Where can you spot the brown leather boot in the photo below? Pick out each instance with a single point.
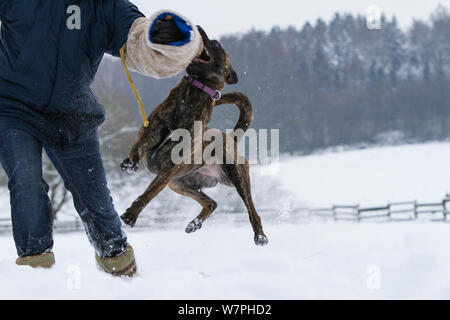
(120, 266)
(45, 260)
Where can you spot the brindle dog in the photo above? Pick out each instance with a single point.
(185, 105)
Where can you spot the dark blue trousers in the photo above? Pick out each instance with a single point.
(80, 165)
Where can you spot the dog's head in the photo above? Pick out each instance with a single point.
(213, 66)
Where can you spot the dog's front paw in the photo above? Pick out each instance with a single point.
(261, 240)
(129, 166)
(194, 226)
(129, 218)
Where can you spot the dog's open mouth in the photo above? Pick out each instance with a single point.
(204, 57)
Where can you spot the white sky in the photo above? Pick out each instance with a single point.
(231, 16)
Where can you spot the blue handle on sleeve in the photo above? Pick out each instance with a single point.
(182, 25)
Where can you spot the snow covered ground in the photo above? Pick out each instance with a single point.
(304, 260)
(314, 261)
(370, 176)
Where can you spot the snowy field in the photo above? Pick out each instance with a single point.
(304, 259)
(316, 261)
(371, 176)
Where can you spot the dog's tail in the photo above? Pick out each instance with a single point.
(246, 111)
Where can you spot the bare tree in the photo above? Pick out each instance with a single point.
(58, 193)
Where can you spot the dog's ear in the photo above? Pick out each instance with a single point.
(203, 34)
(231, 77)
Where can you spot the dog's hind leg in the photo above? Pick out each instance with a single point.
(188, 189)
(240, 177)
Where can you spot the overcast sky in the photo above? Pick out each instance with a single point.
(231, 16)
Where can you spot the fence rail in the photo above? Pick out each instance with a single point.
(395, 211)
(174, 220)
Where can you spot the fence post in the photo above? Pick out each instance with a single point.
(416, 213)
(444, 204)
(77, 224)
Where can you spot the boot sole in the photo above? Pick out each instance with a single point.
(45, 261)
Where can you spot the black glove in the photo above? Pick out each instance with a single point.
(166, 32)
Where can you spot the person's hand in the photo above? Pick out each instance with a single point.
(129, 166)
(166, 32)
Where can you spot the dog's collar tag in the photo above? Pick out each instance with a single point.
(216, 95)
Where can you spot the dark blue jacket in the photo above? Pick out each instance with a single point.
(46, 69)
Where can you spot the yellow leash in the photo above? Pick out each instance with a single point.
(133, 87)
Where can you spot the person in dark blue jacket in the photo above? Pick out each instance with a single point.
(50, 51)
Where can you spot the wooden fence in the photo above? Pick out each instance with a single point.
(153, 221)
(395, 211)
(66, 226)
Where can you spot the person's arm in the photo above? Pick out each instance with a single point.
(160, 46)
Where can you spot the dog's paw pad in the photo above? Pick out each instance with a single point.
(194, 226)
(129, 166)
(128, 220)
(261, 240)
